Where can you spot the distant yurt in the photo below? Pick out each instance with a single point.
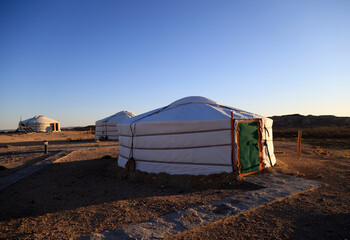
(107, 127)
(196, 136)
(39, 123)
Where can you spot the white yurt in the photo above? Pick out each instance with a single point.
(196, 136)
(39, 123)
(107, 127)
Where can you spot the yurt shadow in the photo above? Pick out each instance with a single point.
(73, 185)
(53, 142)
(329, 226)
(27, 163)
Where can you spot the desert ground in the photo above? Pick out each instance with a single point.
(85, 192)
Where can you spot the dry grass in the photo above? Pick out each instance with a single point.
(5, 146)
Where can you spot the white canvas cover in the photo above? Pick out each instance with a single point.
(107, 127)
(189, 136)
(39, 123)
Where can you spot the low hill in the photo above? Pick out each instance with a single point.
(284, 121)
(301, 121)
(86, 128)
(319, 131)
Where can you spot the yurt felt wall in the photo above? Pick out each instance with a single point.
(40, 123)
(190, 136)
(107, 127)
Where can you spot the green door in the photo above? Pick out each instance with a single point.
(249, 147)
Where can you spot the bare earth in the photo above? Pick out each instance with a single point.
(79, 194)
(322, 213)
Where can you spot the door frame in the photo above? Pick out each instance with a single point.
(259, 144)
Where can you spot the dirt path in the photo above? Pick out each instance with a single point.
(26, 172)
(276, 186)
(323, 213)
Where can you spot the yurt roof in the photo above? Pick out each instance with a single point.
(39, 119)
(194, 108)
(119, 116)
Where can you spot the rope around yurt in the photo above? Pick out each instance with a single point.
(267, 147)
(130, 165)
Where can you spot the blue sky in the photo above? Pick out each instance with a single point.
(80, 61)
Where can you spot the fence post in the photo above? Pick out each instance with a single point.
(300, 132)
(46, 147)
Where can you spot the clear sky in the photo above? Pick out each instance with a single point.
(79, 61)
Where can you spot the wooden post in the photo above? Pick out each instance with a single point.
(232, 142)
(46, 147)
(300, 132)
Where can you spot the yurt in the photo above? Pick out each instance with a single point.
(196, 136)
(107, 127)
(39, 123)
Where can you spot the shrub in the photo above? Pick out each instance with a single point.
(74, 140)
(6, 146)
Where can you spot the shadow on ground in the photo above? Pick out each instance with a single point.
(53, 142)
(30, 162)
(70, 185)
(330, 226)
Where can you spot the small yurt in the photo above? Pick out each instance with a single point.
(107, 127)
(39, 123)
(196, 136)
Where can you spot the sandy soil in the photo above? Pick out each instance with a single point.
(19, 150)
(79, 195)
(14, 161)
(16, 142)
(322, 213)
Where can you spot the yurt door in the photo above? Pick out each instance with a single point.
(249, 147)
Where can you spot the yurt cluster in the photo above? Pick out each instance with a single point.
(193, 135)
